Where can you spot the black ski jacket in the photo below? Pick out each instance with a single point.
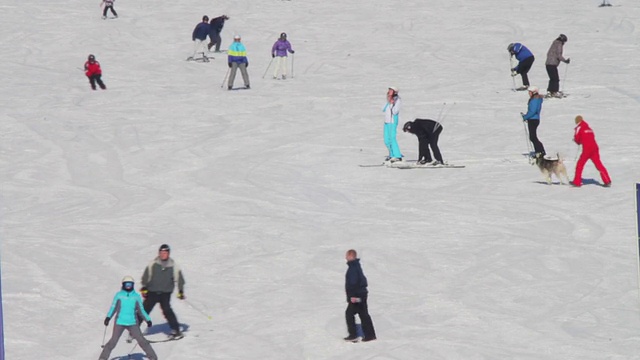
(355, 281)
(423, 128)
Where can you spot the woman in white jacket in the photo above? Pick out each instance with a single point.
(391, 116)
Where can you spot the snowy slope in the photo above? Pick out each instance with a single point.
(259, 192)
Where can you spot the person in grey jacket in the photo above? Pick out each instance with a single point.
(158, 282)
(554, 57)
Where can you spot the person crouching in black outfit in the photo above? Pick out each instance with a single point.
(427, 132)
(356, 288)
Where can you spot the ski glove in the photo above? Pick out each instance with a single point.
(247, 65)
(149, 324)
(144, 292)
(293, 52)
(567, 61)
(273, 55)
(229, 64)
(106, 321)
(181, 295)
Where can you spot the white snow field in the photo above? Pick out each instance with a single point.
(259, 192)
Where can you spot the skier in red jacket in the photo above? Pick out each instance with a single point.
(584, 136)
(94, 73)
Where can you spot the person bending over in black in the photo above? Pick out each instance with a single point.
(427, 132)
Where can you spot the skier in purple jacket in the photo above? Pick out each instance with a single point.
(279, 52)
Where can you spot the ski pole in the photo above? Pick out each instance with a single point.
(225, 78)
(564, 80)
(131, 351)
(513, 78)
(104, 335)
(526, 138)
(441, 110)
(447, 112)
(197, 309)
(293, 56)
(267, 69)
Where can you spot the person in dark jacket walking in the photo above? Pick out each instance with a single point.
(199, 36)
(216, 26)
(428, 131)
(525, 60)
(158, 282)
(532, 117)
(357, 293)
(554, 57)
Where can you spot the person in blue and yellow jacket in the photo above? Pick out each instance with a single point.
(126, 306)
(237, 58)
(532, 117)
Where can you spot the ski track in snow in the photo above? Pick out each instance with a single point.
(260, 195)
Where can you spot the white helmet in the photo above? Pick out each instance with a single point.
(534, 89)
(394, 88)
(128, 279)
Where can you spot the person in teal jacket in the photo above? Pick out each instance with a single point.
(532, 117)
(126, 306)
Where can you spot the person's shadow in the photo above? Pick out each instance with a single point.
(164, 329)
(136, 356)
(590, 182)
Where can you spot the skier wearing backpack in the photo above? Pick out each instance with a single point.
(126, 307)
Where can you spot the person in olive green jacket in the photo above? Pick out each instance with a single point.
(158, 282)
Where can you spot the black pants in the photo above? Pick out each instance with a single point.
(93, 79)
(431, 141)
(215, 40)
(363, 312)
(554, 78)
(165, 303)
(523, 68)
(533, 136)
(104, 12)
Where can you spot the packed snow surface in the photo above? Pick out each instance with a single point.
(259, 192)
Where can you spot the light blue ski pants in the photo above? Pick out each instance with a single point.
(390, 132)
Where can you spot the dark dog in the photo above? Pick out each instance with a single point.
(552, 166)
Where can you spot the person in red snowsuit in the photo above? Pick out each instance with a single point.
(94, 73)
(584, 136)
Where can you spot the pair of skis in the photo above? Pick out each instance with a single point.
(413, 165)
